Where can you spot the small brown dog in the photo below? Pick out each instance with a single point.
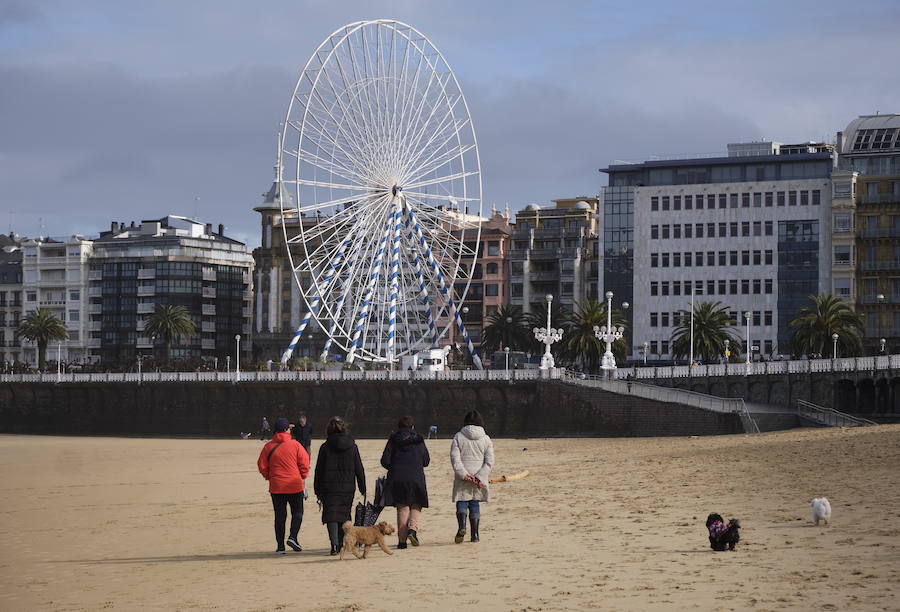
(354, 536)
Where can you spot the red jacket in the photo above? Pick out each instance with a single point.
(288, 466)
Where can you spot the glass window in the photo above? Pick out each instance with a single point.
(664, 347)
(710, 258)
(711, 201)
(733, 200)
(676, 202)
(665, 260)
(665, 287)
(723, 258)
(676, 230)
(492, 268)
(757, 286)
(768, 255)
(757, 258)
(733, 258)
(842, 255)
(733, 226)
(654, 260)
(768, 228)
(816, 197)
(745, 258)
(687, 259)
(654, 288)
(676, 288)
(493, 248)
(654, 232)
(688, 202)
(516, 289)
(745, 200)
(654, 319)
(757, 228)
(654, 203)
(664, 319)
(698, 259)
(665, 203)
(781, 198)
(676, 260)
(74, 295)
(804, 198)
(665, 232)
(698, 230)
(732, 286)
(769, 199)
(745, 228)
(74, 315)
(768, 285)
(492, 290)
(792, 198)
(723, 287)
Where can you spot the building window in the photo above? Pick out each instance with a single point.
(75, 295)
(816, 197)
(688, 202)
(74, 316)
(493, 248)
(664, 317)
(676, 202)
(757, 286)
(653, 319)
(567, 288)
(768, 255)
(842, 222)
(654, 288)
(687, 259)
(698, 230)
(654, 232)
(516, 289)
(30, 296)
(733, 227)
(710, 258)
(665, 203)
(769, 199)
(723, 287)
(781, 198)
(842, 255)
(767, 319)
(745, 228)
(732, 286)
(745, 258)
(745, 286)
(757, 228)
(492, 268)
(768, 286)
(665, 232)
(804, 198)
(665, 287)
(676, 288)
(710, 287)
(698, 259)
(688, 230)
(733, 200)
(654, 203)
(676, 260)
(653, 348)
(654, 260)
(792, 198)
(756, 317)
(745, 200)
(842, 287)
(733, 258)
(665, 260)
(492, 291)
(676, 230)
(664, 347)
(769, 228)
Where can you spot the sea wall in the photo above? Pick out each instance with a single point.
(217, 409)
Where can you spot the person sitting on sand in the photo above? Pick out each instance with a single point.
(472, 457)
(285, 464)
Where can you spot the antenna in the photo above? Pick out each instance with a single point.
(196, 208)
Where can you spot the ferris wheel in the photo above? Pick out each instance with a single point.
(379, 153)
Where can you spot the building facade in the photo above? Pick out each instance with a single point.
(54, 277)
(168, 261)
(750, 230)
(554, 251)
(870, 171)
(10, 299)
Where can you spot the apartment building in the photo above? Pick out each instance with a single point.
(10, 298)
(750, 229)
(54, 277)
(173, 261)
(870, 171)
(554, 251)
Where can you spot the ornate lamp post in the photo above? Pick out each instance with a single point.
(609, 334)
(834, 339)
(237, 358)
(747, 316)
(882, 341)
(506, 351)
(646, 350)
(727, 350)
(547, 336)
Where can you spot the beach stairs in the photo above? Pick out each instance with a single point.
(813, 415)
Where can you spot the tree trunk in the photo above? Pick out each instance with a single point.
(42, 354)
(168, 350)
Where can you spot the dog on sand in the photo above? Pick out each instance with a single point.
(365, 536)
(821, 510)
(722, 535)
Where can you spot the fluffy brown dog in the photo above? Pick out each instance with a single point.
(354, 536)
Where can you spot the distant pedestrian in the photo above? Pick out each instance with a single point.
(472, 458)
(285, 464)
(265, 431)
(405, 458)
(303, 433)
(432, 432)
(339, 471)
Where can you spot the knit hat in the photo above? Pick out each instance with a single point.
(281, 424)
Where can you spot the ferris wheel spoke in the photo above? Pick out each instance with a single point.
(444, 179)
(321, 139)
(440, 157)
(417, 125)
(332, 166)
(445, 123)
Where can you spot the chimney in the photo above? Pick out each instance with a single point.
(208, 229)
(114, 226)
(221, 230)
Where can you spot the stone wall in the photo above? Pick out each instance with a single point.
(523, 409)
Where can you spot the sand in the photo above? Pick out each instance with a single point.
(109, 523)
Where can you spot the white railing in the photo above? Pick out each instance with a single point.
(275, 376)
(829, 416)
(846, 364)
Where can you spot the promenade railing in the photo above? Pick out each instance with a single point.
(797, 366)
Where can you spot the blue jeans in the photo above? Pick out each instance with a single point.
(473, 507)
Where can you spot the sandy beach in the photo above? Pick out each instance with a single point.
(616, 524)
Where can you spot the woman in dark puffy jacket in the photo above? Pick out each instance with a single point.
(339, 470)
(405, 458)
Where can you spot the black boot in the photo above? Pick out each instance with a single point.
(473, 522)
(340, 537)
(461, 532)
(333, 531)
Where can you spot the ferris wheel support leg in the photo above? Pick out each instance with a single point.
(432, 328)
(354, 257)
(394, 280)
(367, 298)
(313, 307)
(443, 286)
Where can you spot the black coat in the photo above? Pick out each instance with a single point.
(405, 457)
(303, 435)
(339, 470)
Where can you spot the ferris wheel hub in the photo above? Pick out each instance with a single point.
(395, 190)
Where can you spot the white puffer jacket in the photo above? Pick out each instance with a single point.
(471, 452)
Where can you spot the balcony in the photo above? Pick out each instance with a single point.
(45, 302)
(95, 275)
(843, 263)
(880, 232)
(146, 308)
(93, 342)
(880, 198)
(209, 274)
(146, 290)
(209, 292)
(883, 332)
(881, 264)
(95, 308)
(208, 343)
(94, 325)
(208, 326)
(543, 276)
(144, 342)
(843, 229)
(208, 309)
(245, 312)
(95, 290)
(140, 325)
(517, 254)
(146, 273)
(883, 299)
(245, 329)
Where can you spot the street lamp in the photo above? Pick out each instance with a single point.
(834, 338)
(727, 350)
(506, 351)
(58, 362)
(609, 334)
(882, 341)
(747, 316)
(237, 358)
(646, 350)
(547, 336)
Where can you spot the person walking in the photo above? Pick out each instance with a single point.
(303, 433)
(265, 430)
(472, 457)
(405, 457)
(339, 471)
(285, 464)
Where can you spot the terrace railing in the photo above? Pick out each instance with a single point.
(799, 366)
(829, 416)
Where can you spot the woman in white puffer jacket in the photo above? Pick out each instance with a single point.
(472, 457)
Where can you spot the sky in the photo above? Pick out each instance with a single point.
(123, 111)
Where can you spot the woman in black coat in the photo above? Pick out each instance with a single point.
(339, 470)
(405, 457)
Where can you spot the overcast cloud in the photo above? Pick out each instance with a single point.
(126, 111)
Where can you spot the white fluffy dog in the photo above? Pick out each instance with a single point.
(821, 510)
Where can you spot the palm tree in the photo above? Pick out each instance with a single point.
(506, 327)
(42, 326)
(813, 326)
(170, 322)
(580, 343)
(712, 327)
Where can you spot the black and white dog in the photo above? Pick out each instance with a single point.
(722, 535)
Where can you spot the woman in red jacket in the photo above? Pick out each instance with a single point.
(285, 464)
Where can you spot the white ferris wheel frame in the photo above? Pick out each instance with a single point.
(391, 201)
